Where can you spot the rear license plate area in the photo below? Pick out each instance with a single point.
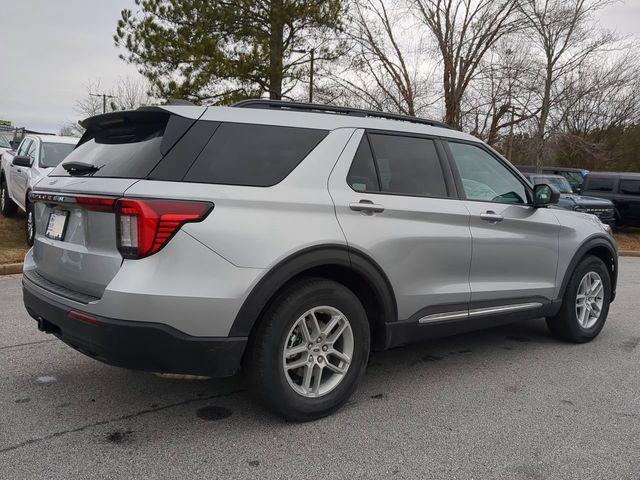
(57, 224)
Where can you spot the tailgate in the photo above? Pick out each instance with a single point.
(86, 258)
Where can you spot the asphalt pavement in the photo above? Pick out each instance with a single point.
(505, 403)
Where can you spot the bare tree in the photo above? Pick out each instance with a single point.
(499, 97)
(464, 31)
(566, 38)
(386, 67)
(127, 94)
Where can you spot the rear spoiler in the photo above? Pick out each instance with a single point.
(175, 126)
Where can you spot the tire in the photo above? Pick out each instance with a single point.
(282, 326)
(567, 325)
(7, 207)
(30, 227)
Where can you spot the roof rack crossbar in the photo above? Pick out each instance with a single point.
(319, 108)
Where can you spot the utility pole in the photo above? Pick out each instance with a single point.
(104, 99)
(312, 52)
(510, 150)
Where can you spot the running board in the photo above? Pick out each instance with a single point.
(477, 312)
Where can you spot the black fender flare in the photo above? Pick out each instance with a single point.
(301, 261)
(589, 244)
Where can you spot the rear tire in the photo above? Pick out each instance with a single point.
(7, 207)
(577, 324)
(339, 332)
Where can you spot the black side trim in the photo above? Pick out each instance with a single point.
(319, 256)
(152, 347)
(599, 241)
(410, 331)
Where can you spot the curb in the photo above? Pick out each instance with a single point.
(629, 253)
(11, 268)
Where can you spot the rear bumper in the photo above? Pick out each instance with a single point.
(144, 346)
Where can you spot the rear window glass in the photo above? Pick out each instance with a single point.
(253, 155)
(630, 187)
(600, 184)
(127, 150)
(51, 154)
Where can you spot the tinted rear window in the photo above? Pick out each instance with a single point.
(127, 149)
(253, 155)
(630, 187)
(600, 184)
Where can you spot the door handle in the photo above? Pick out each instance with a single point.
(491, 216)
(366, 206)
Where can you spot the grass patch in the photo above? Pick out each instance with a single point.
(628, 238)
(13, 245)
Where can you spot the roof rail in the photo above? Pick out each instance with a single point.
(319, 108)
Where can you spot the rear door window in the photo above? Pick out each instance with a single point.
(600, 184)
(408, 165)
(253, 155)
(630, 187)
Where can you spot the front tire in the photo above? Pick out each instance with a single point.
(7, 207)
(585, 304)
(309, 350)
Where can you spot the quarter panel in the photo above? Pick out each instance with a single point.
(256, 227)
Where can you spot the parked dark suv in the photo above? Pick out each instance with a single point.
(623, 189)
(600, 207)
(575, 176)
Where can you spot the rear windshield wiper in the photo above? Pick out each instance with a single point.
(80, 168)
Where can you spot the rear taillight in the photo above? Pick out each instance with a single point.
(96, 204)
(145, 226)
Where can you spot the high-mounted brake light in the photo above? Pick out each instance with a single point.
(145, 226)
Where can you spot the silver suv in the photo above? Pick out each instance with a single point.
(288, 240)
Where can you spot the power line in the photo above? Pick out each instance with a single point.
(104, 99)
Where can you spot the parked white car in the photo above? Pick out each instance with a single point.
(36, 156)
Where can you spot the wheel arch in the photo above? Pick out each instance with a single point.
(350, 267)
(601, 247)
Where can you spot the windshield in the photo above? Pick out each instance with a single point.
(557, 181)
(51, 154)
(4, 141)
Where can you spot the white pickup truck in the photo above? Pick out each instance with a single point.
(36, 156)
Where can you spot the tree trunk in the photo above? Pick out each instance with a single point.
(451, 103)
(276, 50)
(544, 116)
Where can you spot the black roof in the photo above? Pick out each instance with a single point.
(319, 108)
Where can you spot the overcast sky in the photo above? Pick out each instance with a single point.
(50, 49)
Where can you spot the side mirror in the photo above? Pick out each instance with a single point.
(544, 195)
(22, 161)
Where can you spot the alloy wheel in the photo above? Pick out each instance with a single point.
(318, 351)
(589, 300)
